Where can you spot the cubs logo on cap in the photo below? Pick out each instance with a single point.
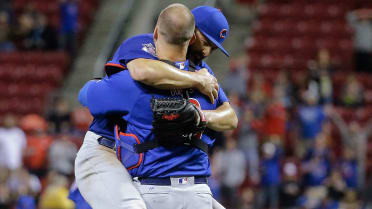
(223, 33)
(212, 24)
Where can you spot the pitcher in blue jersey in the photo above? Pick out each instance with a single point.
(101, 128)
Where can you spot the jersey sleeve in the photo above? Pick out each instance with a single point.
(221, 93)
(83, 93)
(222, 98)
(140, 46)
(110, 95)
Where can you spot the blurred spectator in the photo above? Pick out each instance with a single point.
(230, 167)
(336, 186)
(26, 202)
(235, 103)
(60, 117)
(349, 168)
(248, 142)
(328, 203)
(22, 182)
(69, 25)
(24, 188)
(6, 45)
(360, 20)
(5, 197)
(38, 143)
(312, 198)
(275, 116)
(353, 92)
(320, 79)
(323, 61)
(248, 198)
(258, 94)
(236, 78)
(285, 85)
(354, 138)
(23, 32)
(12, 144)
(81, 119)
(43, 36)
(270, 176)
(350, 200)
(311, 118)
(290, 186)
(56, 193)
(316, 166)
(61, 156)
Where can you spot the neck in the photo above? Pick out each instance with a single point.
(170, 52)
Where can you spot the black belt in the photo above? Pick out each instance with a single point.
(148, 145)
(167, 181)
(106, 142)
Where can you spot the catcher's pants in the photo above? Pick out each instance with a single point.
(179, 195)
(102, 179)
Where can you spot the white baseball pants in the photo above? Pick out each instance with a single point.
(102, 179)
(176, 196)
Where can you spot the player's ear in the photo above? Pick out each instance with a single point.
(156, 33)
(193, 38)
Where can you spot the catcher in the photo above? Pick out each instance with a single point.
(140, 147)
(164, 144)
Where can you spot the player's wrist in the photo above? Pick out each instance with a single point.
(197, 81)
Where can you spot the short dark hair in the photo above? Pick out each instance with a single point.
(176, 23)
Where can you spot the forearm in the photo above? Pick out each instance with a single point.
(161, 75)
(221, 119)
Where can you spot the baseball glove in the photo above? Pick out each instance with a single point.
(176, 120)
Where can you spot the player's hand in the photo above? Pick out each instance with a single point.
(208, 84)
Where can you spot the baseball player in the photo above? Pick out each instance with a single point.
(170, 174)
(104, 126)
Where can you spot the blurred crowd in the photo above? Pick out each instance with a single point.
(37, 156)
(29, 29)
(293, 148)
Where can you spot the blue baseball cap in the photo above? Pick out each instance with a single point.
(213, 24)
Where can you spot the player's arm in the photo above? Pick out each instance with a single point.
(221, 119)
(83, 93)
(164, 76)
(106, 96)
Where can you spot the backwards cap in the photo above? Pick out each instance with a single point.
(213, 24)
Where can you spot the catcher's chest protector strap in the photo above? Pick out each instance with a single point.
(146, 146)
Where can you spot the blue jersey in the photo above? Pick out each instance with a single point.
(69, 17)
(140, 46)
(119, 94)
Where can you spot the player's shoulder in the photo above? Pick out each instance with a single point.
(203, 64)
(140, 39)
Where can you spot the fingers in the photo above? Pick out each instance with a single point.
(215, 94)
(211, 97)
(209, 85)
